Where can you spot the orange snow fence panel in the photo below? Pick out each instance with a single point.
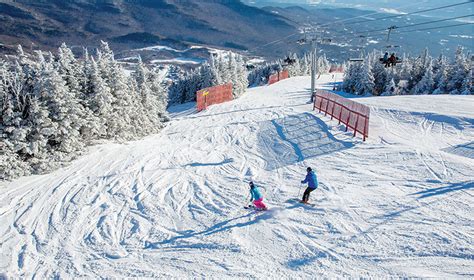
(213, 95)
(273, 79)
(283, 75)
(352, 114)
(278, 77)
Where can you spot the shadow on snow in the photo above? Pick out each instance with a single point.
(295, 138)
(442, 190)
(465, 150)
(217, 228)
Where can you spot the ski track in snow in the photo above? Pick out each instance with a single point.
(171, 205)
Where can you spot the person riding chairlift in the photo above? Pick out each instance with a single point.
(392, 61)
(385, 58)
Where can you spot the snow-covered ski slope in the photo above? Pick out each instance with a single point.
(171, 205)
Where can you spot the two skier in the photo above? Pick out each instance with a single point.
(389, 61)
(257, 198)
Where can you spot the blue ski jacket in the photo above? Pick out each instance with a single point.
(311, 179)
(255, 194)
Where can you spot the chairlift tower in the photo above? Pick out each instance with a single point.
(314, 39)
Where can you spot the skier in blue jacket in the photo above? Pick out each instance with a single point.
(312, 181)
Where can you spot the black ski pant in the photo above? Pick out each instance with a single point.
(306, 193)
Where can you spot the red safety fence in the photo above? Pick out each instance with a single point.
(213, 95)
(278, 77)
(354, 115)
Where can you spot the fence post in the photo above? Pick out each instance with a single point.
(340, 115)
(365, 128)
(327, 104)
(355, 127)
(332, 112)
(348, 119)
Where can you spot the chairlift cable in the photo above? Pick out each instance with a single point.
(407, 26)
(327, 24)
(412, 13)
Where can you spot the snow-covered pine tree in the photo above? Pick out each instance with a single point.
(441, 76)
(241, 74)
(419, 68)
(125, 106)
(467, 87)
(140, 82)
(348, 83)
(379, 72)
(175, 89)
(65, 112)
(294, 69)
(458, 72)
(390, 87)
(222, 70)
(304, 65)
(99, 100)
(159, 93)
(365, 84)
(206, 76)
(425, 85)
(68, 68)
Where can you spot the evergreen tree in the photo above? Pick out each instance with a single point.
(365, 84)
(425, 85)
(441, 77)
(458, 73)
(467, 87)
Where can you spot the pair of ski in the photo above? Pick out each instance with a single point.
(255, 208)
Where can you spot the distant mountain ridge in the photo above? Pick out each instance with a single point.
(135, 23)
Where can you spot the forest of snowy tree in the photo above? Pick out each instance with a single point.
(414, 75)
(55, 105)
(230, 67)
(301, 66)
(220, 69)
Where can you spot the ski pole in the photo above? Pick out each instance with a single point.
(246, 200)
(299, 190)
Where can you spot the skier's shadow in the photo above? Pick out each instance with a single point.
(296, 203)
(219, 227)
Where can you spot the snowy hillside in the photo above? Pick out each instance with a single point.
(399, 204)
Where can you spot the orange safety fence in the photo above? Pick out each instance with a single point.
(273, 79)
(213, 95)
(278, 77)
(354, 115)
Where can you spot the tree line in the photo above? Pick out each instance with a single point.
(53, 106)
(414, 75)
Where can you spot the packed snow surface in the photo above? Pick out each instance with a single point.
(399, 204)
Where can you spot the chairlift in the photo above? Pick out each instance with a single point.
(289, 61)
(301, 41)
(390, 58)
(362, 39)
(250, 66)
(356, 60)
